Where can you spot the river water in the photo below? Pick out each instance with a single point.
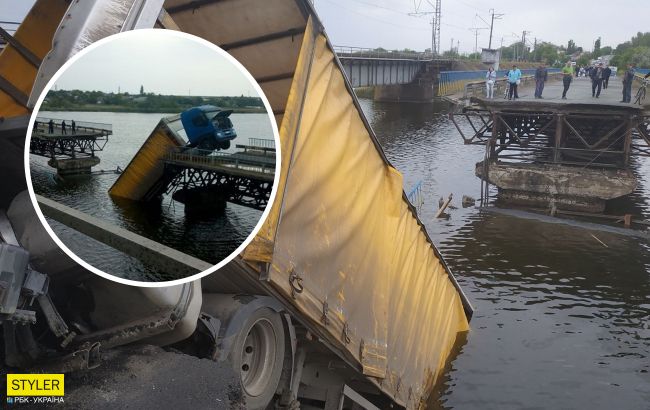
(210, 238)
(561, 321)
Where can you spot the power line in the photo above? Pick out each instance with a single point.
(468, 5)
(381, 7)
(435, 23)
(374, 18)
(476, 30)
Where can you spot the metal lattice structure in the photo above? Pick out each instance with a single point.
(87, 139)
(435, 36)
(241, 190)
(604, 139)
(242, 178)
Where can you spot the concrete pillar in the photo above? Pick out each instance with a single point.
(201, 201)
(73, 166)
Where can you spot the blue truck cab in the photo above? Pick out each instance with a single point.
(208, 127)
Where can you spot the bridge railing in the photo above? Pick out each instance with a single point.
(42, 122)
(261, 142)
(454, 82)
(220, 159)
(360, 52)
(478, 88)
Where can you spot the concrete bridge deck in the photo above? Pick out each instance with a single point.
(579, 92)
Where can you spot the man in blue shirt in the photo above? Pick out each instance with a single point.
(514, 75)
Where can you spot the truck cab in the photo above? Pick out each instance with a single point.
(208, 127)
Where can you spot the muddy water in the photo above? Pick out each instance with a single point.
(561, 321)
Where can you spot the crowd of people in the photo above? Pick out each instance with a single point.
(598, 74)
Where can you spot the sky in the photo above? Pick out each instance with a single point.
(387, 24)
(159, 61)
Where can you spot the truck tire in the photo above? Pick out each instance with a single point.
(225, 145)
(258, 355)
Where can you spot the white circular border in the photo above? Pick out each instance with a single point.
(262, 219)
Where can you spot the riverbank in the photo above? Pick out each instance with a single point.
(142, 110)
(99, 101)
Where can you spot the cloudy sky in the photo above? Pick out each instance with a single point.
(386, 23)
(159, 61)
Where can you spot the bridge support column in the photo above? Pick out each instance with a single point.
(566, 188)
(202, 200)
(413, 92)
(73, 166)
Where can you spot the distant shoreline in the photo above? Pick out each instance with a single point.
(98, 101)
(140, 110)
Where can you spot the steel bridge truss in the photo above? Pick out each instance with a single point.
(67, 148)
(588, 140)
(241, 190)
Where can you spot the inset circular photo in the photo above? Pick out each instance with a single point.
(151, 157)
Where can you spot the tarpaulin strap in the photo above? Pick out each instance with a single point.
(13, 92)
(21, 49)
(346, 334)
(326, 310)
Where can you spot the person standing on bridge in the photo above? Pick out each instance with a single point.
(606, 74)
(541, 75)
(628, 78)
(597, 75)
(567, 77)
(490, 78)
(63, 130)
(74, 127)
(514, 77)
(50, 127)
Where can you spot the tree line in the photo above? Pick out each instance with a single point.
(636, 50)
(77, 100)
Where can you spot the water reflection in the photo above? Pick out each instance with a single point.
(561, 321)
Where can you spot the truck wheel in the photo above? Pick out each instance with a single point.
(258, 355)
(225, 145)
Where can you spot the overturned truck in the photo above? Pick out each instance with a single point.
(341, 296)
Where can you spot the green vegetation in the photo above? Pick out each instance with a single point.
(636, 51)
(76, 100)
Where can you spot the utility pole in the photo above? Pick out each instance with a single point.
(435, 24)
(451, 47)
(523, 43)
(476, 30)
(458, 47)
(494, 16)
(435, 41)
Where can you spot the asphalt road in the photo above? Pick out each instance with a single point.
(149, 377)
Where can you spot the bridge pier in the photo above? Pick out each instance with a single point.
(567, 188)
(406, 92)
(202, 200)
(73, 166)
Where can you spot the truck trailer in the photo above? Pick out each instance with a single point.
(342, 296)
